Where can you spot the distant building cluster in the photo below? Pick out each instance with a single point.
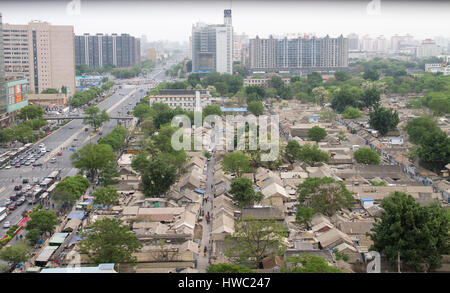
(100, 50)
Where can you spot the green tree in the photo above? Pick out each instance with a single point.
(276, 82)
(434, 150)
(341, 76)
(384, 120)
(314, 79)
(235, 162)
(292, 151)
(143, 110)
(109, 174)
(95, 117)
(243, 192)
(256, 240)
(327, 115)
(367, 156)
(110, 241)
(212, 110)
(93, 157)
(344, 96)
(256, 108)
(304, 215)
(70, 189)
(311, 154)
(225, 268)
(419, 235)
(324, 195)
(157, 177)
(370, 97)
(351, 113)
(221, 87)
(417, 127)
(317, 133)
(320, 94)
(33, 236)
(44, 221)
(30, 112)
(371, 74)
(309, 264)
(341, 135)
(106, 196)
(15, 253)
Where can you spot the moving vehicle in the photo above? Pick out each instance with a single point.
(12, 206)
(37, 164)
(6, 225)
(60, 154)
(25, 180)
(3, 213)
(53, 160)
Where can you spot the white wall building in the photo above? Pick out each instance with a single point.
(189, 100)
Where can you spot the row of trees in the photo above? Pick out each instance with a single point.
(126, 72)
(115, 138)
(31, 119)
(84, 97)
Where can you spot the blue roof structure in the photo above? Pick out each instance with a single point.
(366, 199)
(76, 214)
(233, 109)
(102, 268)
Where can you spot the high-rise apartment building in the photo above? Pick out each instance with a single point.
(240, 42)
(353, 42)
(212, 46)
(381, 44)
(101, 50)
(42, 53)
(299, 55)
(398, 41)
(3, 101)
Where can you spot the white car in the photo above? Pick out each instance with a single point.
(8, 167)
(7, 224)
(41, 145)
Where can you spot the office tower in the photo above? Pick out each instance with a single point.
(353, 42)
(101, 50)
(3, 101)
(428, 48)
(300, 53)
(212, 46)
(42, 53)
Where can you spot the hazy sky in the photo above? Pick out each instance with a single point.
(172, 20)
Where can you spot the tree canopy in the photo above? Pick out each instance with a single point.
(417, 127)
(316, 133)
(109, 241)
(256, 108)
(324, 195)
(235, 162)
(93, 157)
(95, 117)
(384, 120)
(419, 234)
(106, 196)
(367, 156)
(309, 264)
(243, 192)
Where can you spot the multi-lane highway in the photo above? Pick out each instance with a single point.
(73, 134)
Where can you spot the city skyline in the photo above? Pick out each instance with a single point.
(418, 18)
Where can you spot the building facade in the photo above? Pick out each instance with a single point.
(189, 100)
(101, 50)
(437, 68)
(428, 48)
(299, 55)
(42, 53)
(212, 46)
(3, 101)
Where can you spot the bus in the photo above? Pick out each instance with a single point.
(46, 183)
(3, 213)
(34, 196)
(51, 188)
(54, 175)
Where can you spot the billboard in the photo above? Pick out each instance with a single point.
(18, 93)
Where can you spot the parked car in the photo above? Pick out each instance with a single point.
(6, 225)
(20, 201)
(60, 154)
(12, 206)
(12, 198)
(25, 180)
(8, 167)
(37, 164)
(17, 165)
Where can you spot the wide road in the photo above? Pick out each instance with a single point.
(122, 101)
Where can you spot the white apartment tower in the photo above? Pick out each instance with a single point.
(212, 46)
